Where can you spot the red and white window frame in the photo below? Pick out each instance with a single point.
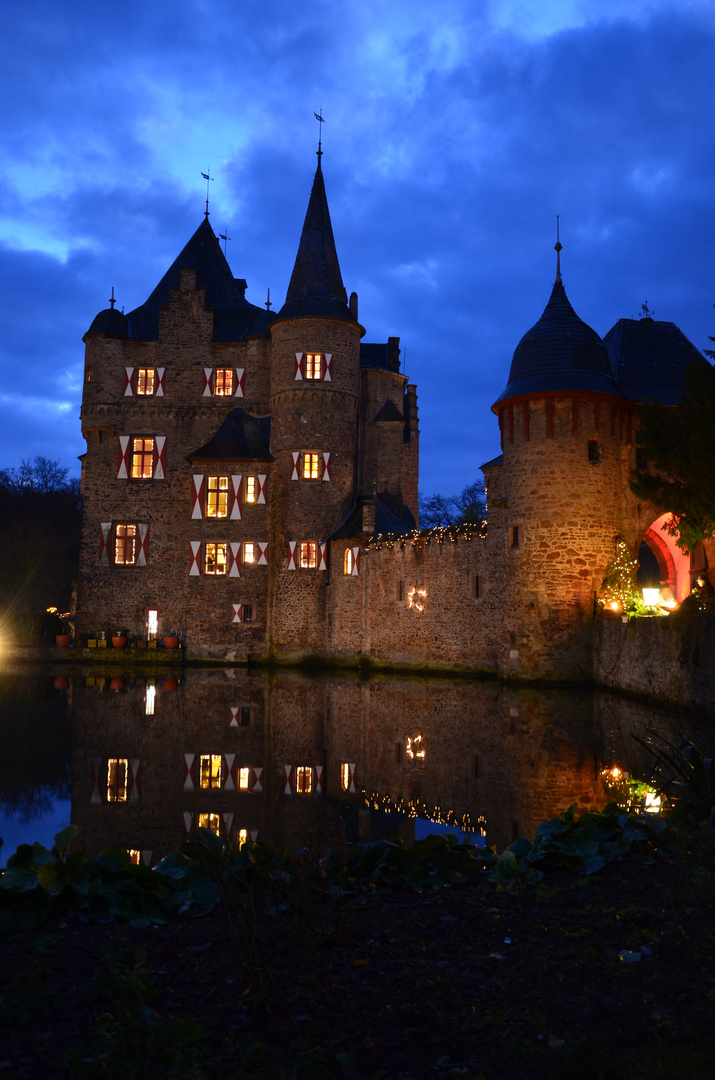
(239, 375)
(326, 363)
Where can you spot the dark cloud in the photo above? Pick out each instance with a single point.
(453, 138)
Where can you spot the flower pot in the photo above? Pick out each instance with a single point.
(170, 684)
(119, 641)
(171, 642)
(63, 640)
(116, 683)
(61, 682)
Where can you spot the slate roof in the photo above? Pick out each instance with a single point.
(389, 413)
(560, 353)
(316, 285)
(386, 520)
(499, 460)
(110, 322)
(241, 437)
(377, 356)
(234, 316)
(648, 359)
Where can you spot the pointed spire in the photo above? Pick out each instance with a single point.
(557, 248)
(316, 285)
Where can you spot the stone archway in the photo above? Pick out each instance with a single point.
(673, 563)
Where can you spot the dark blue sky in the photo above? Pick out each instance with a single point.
(454, 134)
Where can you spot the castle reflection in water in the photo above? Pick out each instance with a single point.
(284, 757)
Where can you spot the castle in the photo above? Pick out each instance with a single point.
(250, 480)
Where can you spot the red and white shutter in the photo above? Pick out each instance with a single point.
(195, 568)
(299, 367)
(292, 545)
(261, 488)
(262, 559)
(288, 790)
(134, 781)
(253, 833)
(159, 457)
(326, 465)
(104, 530)
(188, 821)
(328, 377)
(189, 772)
(318, 779)
(240, 375)
(295, 475)
(123, 465)
(237, 613)
(322, 561)
(198, 493)
(356, 561)
(351, 782)
(208, 377)
(234, 716)
(228, 826)
(160, 384)
(258, 779)
(229, 783)
(143, 530)
(234, 558)
(96, 795)
(129, 382)
(236, 494)
(146, 857)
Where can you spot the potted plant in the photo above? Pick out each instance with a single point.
(63, 639)
(171, 640)
(119, 639)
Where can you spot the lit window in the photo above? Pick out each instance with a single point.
(152, 623)
(243, 779)
(310, 466)
(149, 699)
(215, 561)
(313, 365)
(223, 382)
(145, 380)
(251, 489)
(349, 561)
(249, 552)
(248, 612)
(142, 459)
(125, 545)
(344, 775)
(209, 821)
(210, 770)
(308, 555)
(217, 496)
(242, 837)
(135, 856)
(117, 772)
(304, 779)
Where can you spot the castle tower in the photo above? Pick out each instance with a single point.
(560, 494)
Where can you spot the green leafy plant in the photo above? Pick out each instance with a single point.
(683, 774)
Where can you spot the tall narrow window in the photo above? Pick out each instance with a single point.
(251, 489)
(142, 459)
(245, 715)
(303, 779)
(152, 623)
(515, 536)
(146, 379)
(210, 770)
(308, 555)
(249, 552)
(344, 775)
(125, 545)
(149, 699)
(223, 382)
(215, 560)
(310, 466)
(349, 561)
(313, 365)
(243, 778)
(248, 613)
(242, 837)
(117, 771)
(217, 496)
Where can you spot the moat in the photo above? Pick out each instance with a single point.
(140, 759)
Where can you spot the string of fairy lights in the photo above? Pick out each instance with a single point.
(440, 534)
(416, 808)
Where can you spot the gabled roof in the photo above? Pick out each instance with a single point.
(316, 285)
(389, 413)
(241, 437)
(386, 520)
(649, 359)
(560, 353)
(234, 316)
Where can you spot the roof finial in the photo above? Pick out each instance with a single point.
(268, 301)
(208, 179)
(112, 301)
(321, 120)
(557, 248)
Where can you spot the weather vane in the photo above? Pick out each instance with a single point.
(208, 180)
(268, 301)
(558, 248)
(112, 301)
(321, 120)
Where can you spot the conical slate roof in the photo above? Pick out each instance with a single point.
(560, 354)
(234, 317)
(316, 286)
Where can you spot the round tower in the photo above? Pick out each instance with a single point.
(315, 382)
(566, 433)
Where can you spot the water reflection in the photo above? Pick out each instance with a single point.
(293, 760)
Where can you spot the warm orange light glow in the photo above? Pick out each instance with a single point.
(414, 747)
(614, 605)
(416, 599)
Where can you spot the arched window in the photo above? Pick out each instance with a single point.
(349, 561)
